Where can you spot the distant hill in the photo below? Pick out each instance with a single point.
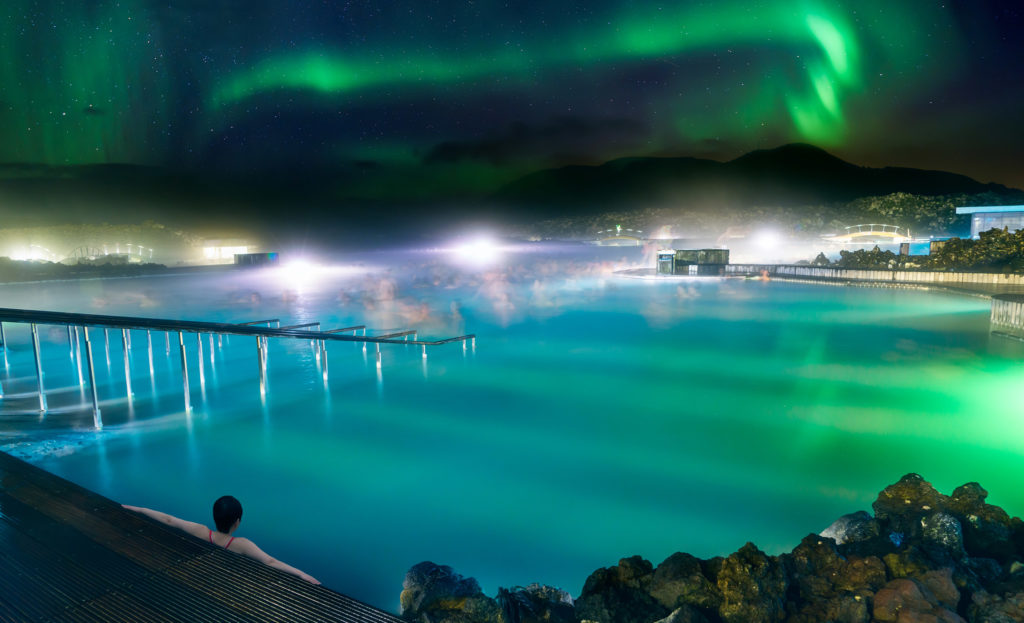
(206, 202)
(791, 175)
(284, 207)
(36, 194)
(311, 206)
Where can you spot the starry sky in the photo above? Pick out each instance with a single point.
(437, 98)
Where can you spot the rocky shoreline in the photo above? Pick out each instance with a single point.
(921, 557)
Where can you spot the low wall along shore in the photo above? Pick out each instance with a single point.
(1007, 306)
(899, 276)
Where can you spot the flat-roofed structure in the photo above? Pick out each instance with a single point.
(692, 261)
(256, 259)
(984, 218)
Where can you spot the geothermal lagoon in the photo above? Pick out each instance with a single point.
(598, 416)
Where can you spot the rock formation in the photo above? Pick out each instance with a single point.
(922, 557)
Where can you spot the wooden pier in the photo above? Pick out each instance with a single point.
(68, 554)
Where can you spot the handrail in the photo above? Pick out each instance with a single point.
(301, 326)
(399, 333)
(871, 228)
(254, 322)
(355, 328)
(126, 323)
(192, 326)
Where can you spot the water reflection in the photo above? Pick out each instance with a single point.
(193, 454)
(202, 373)
(77, 356)
(152, 370)
(103, 468)
(213, 366)
(126, 344)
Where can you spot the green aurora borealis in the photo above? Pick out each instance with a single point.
(468, 95)
(817, 115)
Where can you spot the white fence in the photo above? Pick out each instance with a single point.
(1007, 309)
(1008, 314)
(898, 276)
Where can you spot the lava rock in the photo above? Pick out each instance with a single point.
(940, 583)
(905, 601)
(1017, 536)
(944, 530)
(434, 593)
(923, 557)
(900, 506)
(987, 608)
(969, 499)
(859, 526)
(908, 562)
(848, 608)
(536, 604)
(620, 594)
(753, 587)
(825, 586)
(1008, 583)
(812, 565)
(983, 571)
(684, 614)
(679, 580)
(818, 571)
(986, 528)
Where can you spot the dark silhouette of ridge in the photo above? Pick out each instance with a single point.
(790, 175)
(312, 202)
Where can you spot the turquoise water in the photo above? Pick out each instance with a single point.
(598, 416)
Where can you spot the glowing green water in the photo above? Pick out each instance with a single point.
(599, 417)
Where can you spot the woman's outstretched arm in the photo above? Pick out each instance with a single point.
(195, 529)
(247, 547)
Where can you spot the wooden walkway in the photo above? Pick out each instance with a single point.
(68, 554)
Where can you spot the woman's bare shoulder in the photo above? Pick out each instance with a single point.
(243, 545)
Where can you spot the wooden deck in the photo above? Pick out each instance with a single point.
(68, 554)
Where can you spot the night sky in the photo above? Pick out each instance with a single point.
(455, 98)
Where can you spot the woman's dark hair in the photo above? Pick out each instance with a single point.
(226, 511)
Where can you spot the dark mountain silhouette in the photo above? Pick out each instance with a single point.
(36, 194)
(790, 175)
(311, 203)
(285, 205)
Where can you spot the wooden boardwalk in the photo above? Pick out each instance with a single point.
(68, 554)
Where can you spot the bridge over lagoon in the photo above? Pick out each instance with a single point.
(862, 234)
(870, 233)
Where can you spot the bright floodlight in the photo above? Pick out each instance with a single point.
(480, 251)
(298, 272)
(299, 265)
(768, 240)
